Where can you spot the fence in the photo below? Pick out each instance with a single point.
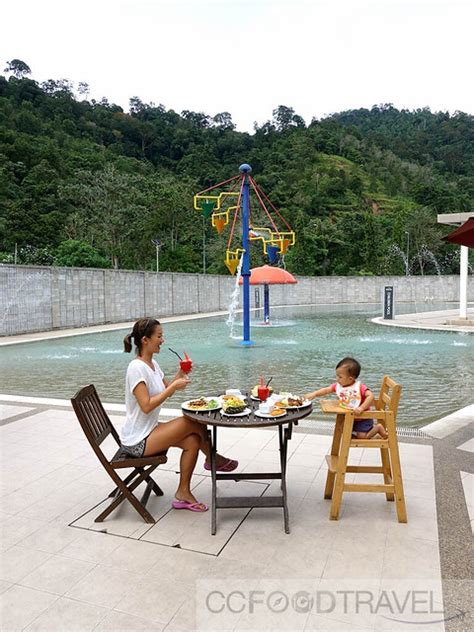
(43, 298)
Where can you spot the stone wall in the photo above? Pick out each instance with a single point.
(40, 298)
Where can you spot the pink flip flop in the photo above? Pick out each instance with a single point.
(186, 504)
(229, 466)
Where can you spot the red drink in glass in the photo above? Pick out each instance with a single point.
(263, 393)
(186, 365)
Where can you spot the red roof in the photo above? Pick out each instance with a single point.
(464, 235)
(268, 275)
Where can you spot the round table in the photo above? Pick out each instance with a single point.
(285, 427)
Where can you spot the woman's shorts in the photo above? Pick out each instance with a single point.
(364, 425)
(136, 450)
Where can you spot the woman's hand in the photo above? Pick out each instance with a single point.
(180, 383)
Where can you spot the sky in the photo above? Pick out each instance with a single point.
(247, 57)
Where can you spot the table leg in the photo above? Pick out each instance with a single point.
(213, 446)
(336, 444)
(284, 435)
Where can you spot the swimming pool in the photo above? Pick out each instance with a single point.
(436, 369)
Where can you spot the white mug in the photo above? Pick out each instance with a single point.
(234, 392)
(266, 408)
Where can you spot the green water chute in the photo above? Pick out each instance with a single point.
(207, 206)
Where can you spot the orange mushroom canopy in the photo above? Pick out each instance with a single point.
(268, 275)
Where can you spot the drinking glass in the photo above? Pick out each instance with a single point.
(263, 392)
(186, 365)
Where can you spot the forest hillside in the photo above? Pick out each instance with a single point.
(86, 183)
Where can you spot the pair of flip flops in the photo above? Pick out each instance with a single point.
(186, 504)
(228, 466)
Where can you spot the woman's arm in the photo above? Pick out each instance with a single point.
(179, 374)
(327, 390)
(147, 403)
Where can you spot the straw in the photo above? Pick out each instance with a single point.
(175, 353)
(268, 382)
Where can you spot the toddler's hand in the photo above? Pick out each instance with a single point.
(358, 411)
(309, 396)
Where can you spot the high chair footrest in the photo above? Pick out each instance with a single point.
(353, 487)
(369, 443)
(333, 464)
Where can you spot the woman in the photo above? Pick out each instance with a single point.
(146, 389)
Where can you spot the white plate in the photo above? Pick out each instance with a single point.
(257, 413)
(185, 405)
(244, 413)
(305, 403)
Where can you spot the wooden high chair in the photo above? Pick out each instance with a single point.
(386, 407)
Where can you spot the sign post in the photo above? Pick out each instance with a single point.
(388, 308)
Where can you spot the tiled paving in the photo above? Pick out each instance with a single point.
(61, 571)
(467, 480)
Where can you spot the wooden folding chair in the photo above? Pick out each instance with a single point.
(386, 408)
(97, 427)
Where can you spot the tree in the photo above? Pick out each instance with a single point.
(83, 89)
(284, 118)
(105, 208)
(223, 121)
(79, 254)
(18, 68)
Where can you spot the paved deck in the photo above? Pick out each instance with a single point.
(61, 571)
(444, 320)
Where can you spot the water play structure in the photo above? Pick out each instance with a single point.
(260, 221)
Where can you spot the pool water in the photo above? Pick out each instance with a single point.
(435, 369)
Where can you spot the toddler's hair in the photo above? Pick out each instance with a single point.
(353, 367)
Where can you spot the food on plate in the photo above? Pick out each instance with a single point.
(290, 400)
(233, 405)
(255, 390)
(277, 411)
(297, 400)
(202, 404)
(198, 404)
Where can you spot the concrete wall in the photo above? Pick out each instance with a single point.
(39, 298)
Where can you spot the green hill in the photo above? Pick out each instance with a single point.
(85, 183)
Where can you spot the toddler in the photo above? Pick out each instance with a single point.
(353, 394)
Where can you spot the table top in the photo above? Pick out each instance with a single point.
(214, 417)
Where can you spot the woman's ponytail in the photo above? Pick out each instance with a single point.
(127, 343)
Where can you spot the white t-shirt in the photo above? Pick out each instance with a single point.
(138, 424)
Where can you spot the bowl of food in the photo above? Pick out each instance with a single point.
(233, 405)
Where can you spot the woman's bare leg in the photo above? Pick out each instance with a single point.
(177, 434)
(179, 428)
(187, 463)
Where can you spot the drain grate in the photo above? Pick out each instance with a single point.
(328, 426)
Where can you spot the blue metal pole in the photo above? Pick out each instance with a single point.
(245, 170)
(266, 304)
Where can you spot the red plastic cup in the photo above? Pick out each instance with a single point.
(186, 365)
(263, 393)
